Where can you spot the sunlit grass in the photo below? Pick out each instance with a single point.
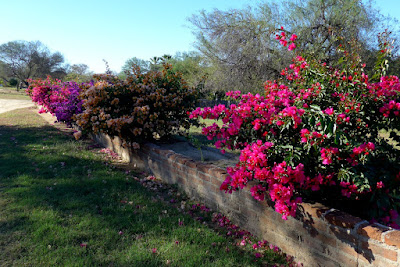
(62, 204)
(12, 93)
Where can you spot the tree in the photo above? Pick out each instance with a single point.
(134, 61)
(193, 68)
(321, 24)
(23, 60)
(79, 73)
(239, 44)
(156, 63)
(81, 69)
(5, 73)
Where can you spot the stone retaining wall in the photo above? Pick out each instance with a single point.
(318, 236)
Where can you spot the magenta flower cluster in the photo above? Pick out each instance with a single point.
(318, 129)
(59, 98)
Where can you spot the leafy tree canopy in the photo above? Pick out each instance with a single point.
(239, 43)
(23, 60)
(79, 73)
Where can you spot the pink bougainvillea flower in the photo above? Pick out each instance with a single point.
(293, 37)
(380, 185)
(329, 111)
(327, 154)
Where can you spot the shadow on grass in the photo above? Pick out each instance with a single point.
(64, 205)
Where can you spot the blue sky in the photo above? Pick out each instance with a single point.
(88, 31)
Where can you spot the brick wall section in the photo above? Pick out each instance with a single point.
(318, 236)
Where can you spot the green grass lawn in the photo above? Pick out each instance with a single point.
(12, 93)
(63, 203)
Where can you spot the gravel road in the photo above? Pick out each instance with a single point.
(11, 104)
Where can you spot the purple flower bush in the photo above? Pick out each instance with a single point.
(59, 98)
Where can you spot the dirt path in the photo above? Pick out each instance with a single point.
(11, 104)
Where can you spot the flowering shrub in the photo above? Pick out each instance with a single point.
(315, 133)
(58, 98)
(41, 92)
(142, 107)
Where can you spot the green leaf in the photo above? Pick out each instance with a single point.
(337, 137)
(312, 121)
(331, 128)
(322, 121)
(315, 107)
(289, 159)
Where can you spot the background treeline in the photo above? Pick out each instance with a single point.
(240, 49)
(235, 49)
(23, 60)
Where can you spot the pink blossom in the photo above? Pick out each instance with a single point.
(292, 46)
(258, 255)
(329, 111)
(380, 185)
(258, 192)
(327, 154)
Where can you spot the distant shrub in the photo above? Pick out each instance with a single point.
(13, 82)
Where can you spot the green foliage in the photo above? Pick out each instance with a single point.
(79, 73)
(134, 62)
(24, 60)
(191, 65)
(382, 59)
(238, 44)
(156, 63)
(13, 82)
